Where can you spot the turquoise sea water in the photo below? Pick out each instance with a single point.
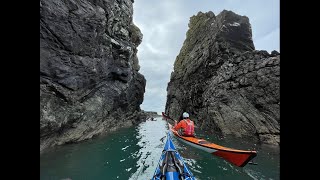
(133, 153)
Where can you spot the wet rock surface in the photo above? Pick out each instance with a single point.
(89, 79)
(226, 85)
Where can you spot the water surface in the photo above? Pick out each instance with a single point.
(133, 153)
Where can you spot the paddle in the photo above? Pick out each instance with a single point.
(167, 117)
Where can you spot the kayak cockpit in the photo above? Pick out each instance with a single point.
(203, 142)
(171, 166)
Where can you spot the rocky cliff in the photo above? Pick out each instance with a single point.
(226, 85)
(89, 79)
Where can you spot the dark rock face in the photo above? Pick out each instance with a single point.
(149, 114)
(226, 85)
(89, 79)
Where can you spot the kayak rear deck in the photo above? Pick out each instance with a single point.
(171, 165)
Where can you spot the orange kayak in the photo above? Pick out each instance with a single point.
(237, 157)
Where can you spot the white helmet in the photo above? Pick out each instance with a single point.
(185, 115)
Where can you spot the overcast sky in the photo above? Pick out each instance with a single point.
(164, 24)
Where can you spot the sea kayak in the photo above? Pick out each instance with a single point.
(237, 157)
(171, 165)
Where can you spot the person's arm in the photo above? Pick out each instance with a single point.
(194, 124)
(178, 126)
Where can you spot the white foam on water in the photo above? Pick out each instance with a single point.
(149, 135)
(254, 175)
(191, 163)
(125, 148)
(129, 169)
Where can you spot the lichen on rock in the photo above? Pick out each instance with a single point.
(226, 85)
(89, 79)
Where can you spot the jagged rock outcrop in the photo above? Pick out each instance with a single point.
(89, 79)
(150, 114)
(226, 85)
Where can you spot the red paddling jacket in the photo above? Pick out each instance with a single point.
(187, 127)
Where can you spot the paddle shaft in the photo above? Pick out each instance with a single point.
(167, 117)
